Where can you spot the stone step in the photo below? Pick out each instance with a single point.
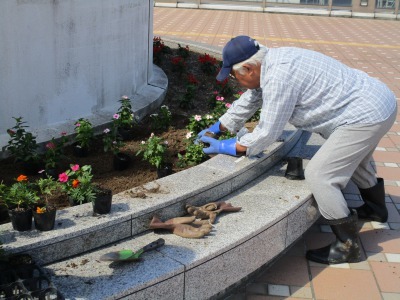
(77, 231)
(275, 213)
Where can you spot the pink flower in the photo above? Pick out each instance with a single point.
(197, 118)
(77, 124)
(125, 97)
(63, 177)
(219, 98)
(228, 105)
(240, 93)
(75, 168)
(116, 116)
(215, 92)
(63, 133)
(50, 145)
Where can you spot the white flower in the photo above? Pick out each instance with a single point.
(189, 134)
(152, 134)
(143, 142)
(125, 97)
(208, 117)
(166, 142)
(197, 117)
(106, 130)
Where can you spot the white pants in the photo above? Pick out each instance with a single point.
(345, 155)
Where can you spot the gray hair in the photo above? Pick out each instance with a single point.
(255, 60)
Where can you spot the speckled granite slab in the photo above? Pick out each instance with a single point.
(78, 231)
(275, 212)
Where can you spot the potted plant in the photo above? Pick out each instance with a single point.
(112, 142)
(19, 198)
(162, 119)
(23, 147)
(77, 183)
(54, 154)
(194, 153)
(83, 138)
(44, 214)
(123, 120)
(154, 151)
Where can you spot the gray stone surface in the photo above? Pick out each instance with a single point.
(275, 212)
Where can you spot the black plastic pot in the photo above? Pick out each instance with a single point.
(294, 169)
(102, 203)
(31, 167)
(45, 221)
(126, 133)
(21, 219)
(164, 171)
(121, 161)
(80, 151)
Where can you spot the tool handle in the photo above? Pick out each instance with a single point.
(154, 245)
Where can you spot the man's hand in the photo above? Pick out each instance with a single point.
(214, 129)
(221, 147)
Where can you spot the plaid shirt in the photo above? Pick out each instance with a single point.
(311, 91)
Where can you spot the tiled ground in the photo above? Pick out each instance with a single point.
(366, 44)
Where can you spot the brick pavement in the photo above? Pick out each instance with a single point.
(366, 44)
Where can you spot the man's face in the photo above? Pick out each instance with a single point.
(250, 78)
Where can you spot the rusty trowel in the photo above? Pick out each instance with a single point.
(129, 255)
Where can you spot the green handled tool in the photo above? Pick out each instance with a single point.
(129, 255)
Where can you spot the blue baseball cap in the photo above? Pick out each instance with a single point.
(235, 51)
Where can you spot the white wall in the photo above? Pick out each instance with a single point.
(65, 59)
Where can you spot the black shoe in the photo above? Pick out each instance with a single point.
(374, 208)
(345, 249)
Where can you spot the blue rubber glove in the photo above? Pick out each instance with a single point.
(221, 147)
(213, 128)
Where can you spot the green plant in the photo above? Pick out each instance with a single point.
(159, 50)
(21, 195)
(47, 187)
(178, 64)
(153, 150)
(111, 141)
(183, 52)
(55, 151)
(197, 123)
(22, 144)
(194, 152)
(84, 132)
(76, 182)
(208, 64)
(186, 101)
(124, 118)
(162, 119)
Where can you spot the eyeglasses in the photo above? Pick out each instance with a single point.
(231, 75)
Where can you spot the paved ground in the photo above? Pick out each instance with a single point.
(366, 44)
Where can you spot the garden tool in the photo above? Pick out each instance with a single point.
(211, 210)
(129, 255)
(187, 227)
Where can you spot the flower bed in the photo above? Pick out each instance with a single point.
(194, 101)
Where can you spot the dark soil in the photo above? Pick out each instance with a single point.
(141, 172)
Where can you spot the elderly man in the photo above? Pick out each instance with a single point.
(316, 93)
